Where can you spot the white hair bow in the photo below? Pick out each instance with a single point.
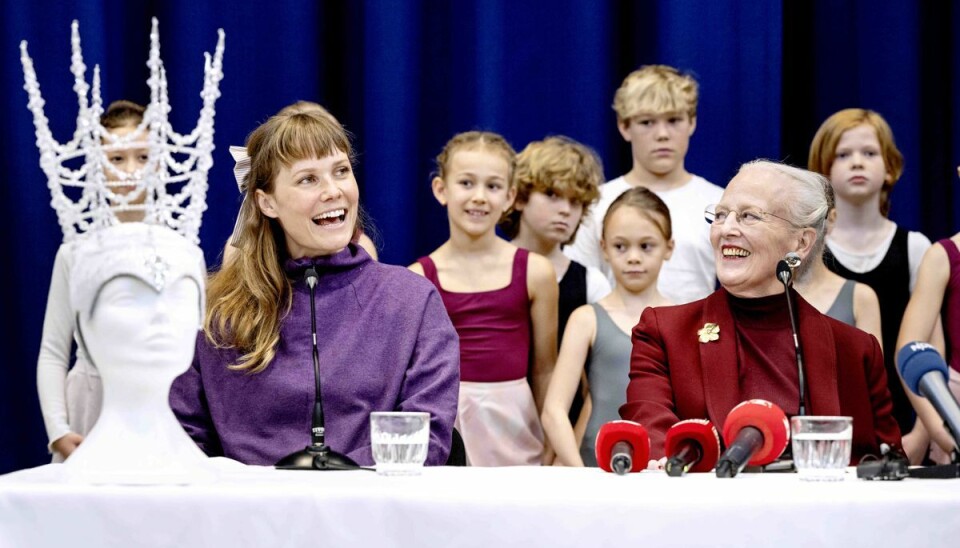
(242, 166)
(240, 171)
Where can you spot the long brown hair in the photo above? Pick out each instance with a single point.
(248, 298)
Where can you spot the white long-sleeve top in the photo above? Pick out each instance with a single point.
(53, 362)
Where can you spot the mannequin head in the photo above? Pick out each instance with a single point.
(141, 336)
(137, 295)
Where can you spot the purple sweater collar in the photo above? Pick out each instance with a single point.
(337, 269)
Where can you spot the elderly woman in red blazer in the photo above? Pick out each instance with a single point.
(700, 359)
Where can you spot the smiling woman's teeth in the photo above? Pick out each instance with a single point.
(330, 217)
(735, 252)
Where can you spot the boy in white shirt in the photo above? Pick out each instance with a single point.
(656, 110)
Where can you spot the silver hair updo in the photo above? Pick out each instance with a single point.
(810, 201)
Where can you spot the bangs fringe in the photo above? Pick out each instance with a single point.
(306, 135)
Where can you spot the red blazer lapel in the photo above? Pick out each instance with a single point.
(820, 360)
(718, 359)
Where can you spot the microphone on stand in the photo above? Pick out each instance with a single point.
(317, 455)
(692, 445)
(785, 270)
(925, 373)
(622, 447)
(756, 432)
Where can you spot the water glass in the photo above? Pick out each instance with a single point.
(399, 441)
(821, 446)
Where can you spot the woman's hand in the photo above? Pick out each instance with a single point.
(67, 444)
(657, 464)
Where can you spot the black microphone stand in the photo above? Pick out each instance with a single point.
(317, 455)
(785, 275)
(735, 458)
(689, 454)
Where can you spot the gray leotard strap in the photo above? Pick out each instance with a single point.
(842, 307)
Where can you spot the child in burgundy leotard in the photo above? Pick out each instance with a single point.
(502, 300)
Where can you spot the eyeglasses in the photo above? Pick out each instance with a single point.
(717, 215)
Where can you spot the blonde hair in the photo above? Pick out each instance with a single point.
(657, 89)
(250, 295)
(648, 204)
(558, 164)
(122, 113)
(823, 149)
(473, 140)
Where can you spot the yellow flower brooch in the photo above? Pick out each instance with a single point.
(709, 332)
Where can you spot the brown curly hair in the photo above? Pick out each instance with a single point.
(559, 165)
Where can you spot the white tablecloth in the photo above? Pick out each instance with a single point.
(492, 508)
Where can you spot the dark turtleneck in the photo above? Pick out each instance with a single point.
(768, 363)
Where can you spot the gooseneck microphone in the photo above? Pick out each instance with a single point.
(756, 432)
(692, 445)
(622, 447)
(317, 455)
(785, 274)
(925, 373)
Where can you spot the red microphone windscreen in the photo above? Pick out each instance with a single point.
(766, 417)
(700, 431)
(616, 431)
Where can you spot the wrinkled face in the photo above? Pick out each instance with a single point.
(476, 191)
(127, 160)
(634, 246)
(132, 324)
(316, 202)
(551, 216)
(858, 171)
(746, 255)
(659, 141)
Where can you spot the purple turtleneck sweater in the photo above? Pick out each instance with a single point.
(386, 344)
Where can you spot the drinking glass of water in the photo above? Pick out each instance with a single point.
(399, 441)
(821, 446)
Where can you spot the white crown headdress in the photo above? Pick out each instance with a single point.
(154, 254)
(174, 178)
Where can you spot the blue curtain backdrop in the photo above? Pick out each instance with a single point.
(404, 76)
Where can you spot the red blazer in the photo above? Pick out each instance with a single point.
(673, 376)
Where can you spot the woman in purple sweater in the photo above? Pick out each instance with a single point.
(385, 340)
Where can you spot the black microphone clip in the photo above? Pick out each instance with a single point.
(310, 276)
(786, 268)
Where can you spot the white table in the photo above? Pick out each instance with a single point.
(492, 508)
